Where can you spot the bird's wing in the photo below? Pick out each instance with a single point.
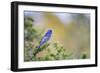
(45, 39)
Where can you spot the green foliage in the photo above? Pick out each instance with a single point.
(31, 38)
(57, 52)
(83, 56)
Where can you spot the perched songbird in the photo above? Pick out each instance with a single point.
(45, 38)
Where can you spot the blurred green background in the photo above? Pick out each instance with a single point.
(70, 38)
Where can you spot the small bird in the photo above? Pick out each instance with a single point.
(45, 38)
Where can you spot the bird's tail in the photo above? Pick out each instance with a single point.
(37, 50)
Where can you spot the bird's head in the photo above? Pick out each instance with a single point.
(49, 31)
